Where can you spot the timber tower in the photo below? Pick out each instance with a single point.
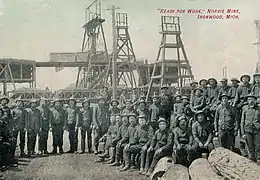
(172, 66)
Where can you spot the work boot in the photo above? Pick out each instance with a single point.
(111, 161)
(54, 151)
(82, 152)
(22, 154)
(70, 151)
(141, 171)
(45, 152)
(100, 159)
(61, 150)
(144, 172)
(96, 152)
(116, 163)
(90, 151)
(125, 168)
(148, 174)
(105, 155)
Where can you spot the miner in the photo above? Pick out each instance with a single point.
(142, 109)
(224, 88)
(193, 85)
(34, 126)
(100, 121)
(213, 95)
(57, 126)
(128, 107)
(250, 127)
(106, 95)
(46, 124)
(123, 98)
(114, 107)
(203, 85)
(154, 110)
(72, 116)
(161, 146)
(129, 139)
(202, 132)
(177, 111)
(19, 117)
(232, 93)
(256, 87)
(199, 101)
(182, 142)
(226, 123)
(123, 129)
(166, 103)
(85, 123)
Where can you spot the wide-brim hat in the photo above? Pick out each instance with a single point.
(200, 112)
(161, 119)
(182, 117)
(184, 97)
(202, 81)
(124, 115)
(141, 101)
(224, 95)
(56, 100)
(245, 75)
(194, 82)
(6, 98)
(141, 116)
(235, 79)
(224, 80)
(85, 100)
(256, 74)
(72, 99)
(164, 87)
(212, 79)
(177, 95)
(251, 95)
(19, 99)
(100, 98)
(198, 88)
(114, 100)
(131, 115)
(33, 101)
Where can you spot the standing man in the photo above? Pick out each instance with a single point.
(106, 95)
(154, 110)
(86, 121)
(203, 84)
(72, 124)
(250, 128)
(232, 93)
(256, 87)
(226, 123)
(19, 117)
(100, 121)
(46, 124)
(142, 110)
(57, 126)
(166, 103)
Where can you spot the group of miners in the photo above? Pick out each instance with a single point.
(131, 133)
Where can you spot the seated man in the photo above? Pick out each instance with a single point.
(202, 131)
(129, 137)
(118, 140)
(161, 146)
(142, 139)
(108, 138)
(182, 142)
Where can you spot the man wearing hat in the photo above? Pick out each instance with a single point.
(72, 124)
(161, 146)
(46, 123)
(256, 87)
(154, 110)
(114, 107)
(243, 90)
(142, 110)
(226, 123)
(33, 126)
(19, 115)
(166, 103)
(129, 138)
(123, 129)
(85, 124)
(224, 88)
(123, 98)
(250, 127)
(232, 93)
(202, 132)
(57, 126)
(100, 121)
(128, 107)
(203, 85)
(213, 95)
(177, 110)
(199, 101)
(106, 95)
(193, 85)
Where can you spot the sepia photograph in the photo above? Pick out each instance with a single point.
(129, 90)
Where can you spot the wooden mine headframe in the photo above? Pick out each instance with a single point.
(172, 66)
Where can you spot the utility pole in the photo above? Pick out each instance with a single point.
(257, 23)
(114, 68)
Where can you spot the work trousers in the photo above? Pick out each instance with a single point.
(43, 138)
(227, 139)
(196, 151)
(73, 137)
(153, 157)
(119, 152)
(57, 136)
(182, 155)
(5, 159)
(253, 143)
(132, 150)
(99, 133)
(22, 140)
(31, 141)
(85, 130)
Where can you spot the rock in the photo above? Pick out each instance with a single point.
(163, 165)
(176, 172)
(233, 166)
(200, 169)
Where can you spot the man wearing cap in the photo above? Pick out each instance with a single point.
(19, 117)
(129, 138)
(243, 90)
(154, 110)
(85, 124)
(114, 107)
(128, 108)
(166, 103)
(213, 95)
(33, 126)
(177, 110)
(123, 130)
(140, 143)
(106, 95)
(100, 121)
(203, 85)
(134, 98)
(46, 124)
(199, 101)
(161, 146)
(226, 123)
(72, 115)
(224, 88)
(182, 141)
(232, 93)
(250, 127)
(202, 132)
(193, 85)
(57, 126)
(142, 110)
(123, 98)
(256, 87)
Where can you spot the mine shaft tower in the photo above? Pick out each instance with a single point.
(172, 66)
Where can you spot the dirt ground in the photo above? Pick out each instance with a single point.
(67, 167)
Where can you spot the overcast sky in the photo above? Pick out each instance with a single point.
(31, 29)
